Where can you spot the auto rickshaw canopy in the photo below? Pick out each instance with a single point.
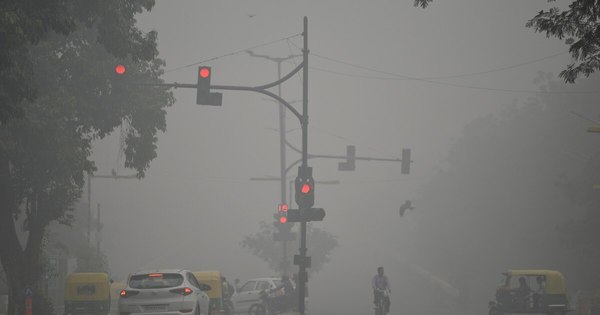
(555, 281)
(87, 286)
(212, 278)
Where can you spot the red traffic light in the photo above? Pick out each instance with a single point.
(282, 207)
(204, 72)
(305, 188)
(283, 220)
(120, 69)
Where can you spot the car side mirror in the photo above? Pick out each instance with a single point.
(205, 287)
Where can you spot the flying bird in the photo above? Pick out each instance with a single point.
(251, 15)
(407, 205)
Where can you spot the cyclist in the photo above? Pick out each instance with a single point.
(380, 283)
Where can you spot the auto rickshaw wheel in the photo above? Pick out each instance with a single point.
(257, 309)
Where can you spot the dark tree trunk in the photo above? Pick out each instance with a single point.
(22, 267)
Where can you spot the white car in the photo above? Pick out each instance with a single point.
(167, 291)
(249, 293)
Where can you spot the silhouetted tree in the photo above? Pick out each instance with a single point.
(45, 151)
(499, 202)
(262, 245)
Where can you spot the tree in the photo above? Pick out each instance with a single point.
(25, 22)
(45, 151)
(262, 245)
(579, 26)
(500, 200)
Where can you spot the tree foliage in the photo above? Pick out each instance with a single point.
(506, 196)
(579, 26)
(262, 245)
(25, 22)
(45, 150)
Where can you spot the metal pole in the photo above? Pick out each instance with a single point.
(302, 275)
(282, 145)
(98, 233)
(89, 199)
(282, 165)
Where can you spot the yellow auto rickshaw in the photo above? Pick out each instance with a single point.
(87, 293)
(529, 291)
(220, 302)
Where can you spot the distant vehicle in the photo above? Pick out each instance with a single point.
(250, 293)
(220, 301)
(531, 292)
(87, 293)
(166, 291)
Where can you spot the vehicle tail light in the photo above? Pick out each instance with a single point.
(128, 293)
(182, 291)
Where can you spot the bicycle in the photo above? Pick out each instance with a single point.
(380, 306)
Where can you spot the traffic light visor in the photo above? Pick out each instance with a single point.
(204, 72)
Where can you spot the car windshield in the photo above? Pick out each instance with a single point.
(155, 280)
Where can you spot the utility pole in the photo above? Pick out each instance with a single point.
(302, 261)
(89, 200)
(304, 183)
(98, 235)
(282, 143)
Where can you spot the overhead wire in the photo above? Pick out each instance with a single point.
(396, 76)
(462, 75)
(232, 53)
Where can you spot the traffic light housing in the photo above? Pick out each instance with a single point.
(282, 213)
(282, 224)
(305, 188)
(350, 163)
(203, 94)
(405, 167)
(305, 215)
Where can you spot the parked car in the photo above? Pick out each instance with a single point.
(167, 291)
(248, 293)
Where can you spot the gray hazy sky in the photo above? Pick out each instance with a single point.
(197, 201)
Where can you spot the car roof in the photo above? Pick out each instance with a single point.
(533, 272)
(264, 279)
(142, 272)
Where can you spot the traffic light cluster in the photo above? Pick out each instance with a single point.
(282, 212)
(203, 94)
(305, 188)
(284, 228)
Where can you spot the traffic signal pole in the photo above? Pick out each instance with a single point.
(302, 264)
(282, 150)
(205, 97)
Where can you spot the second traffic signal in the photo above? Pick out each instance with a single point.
(203, 94)
(305, 188)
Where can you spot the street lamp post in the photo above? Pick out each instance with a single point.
(89, 200)
(205, 97)
(282, 141)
